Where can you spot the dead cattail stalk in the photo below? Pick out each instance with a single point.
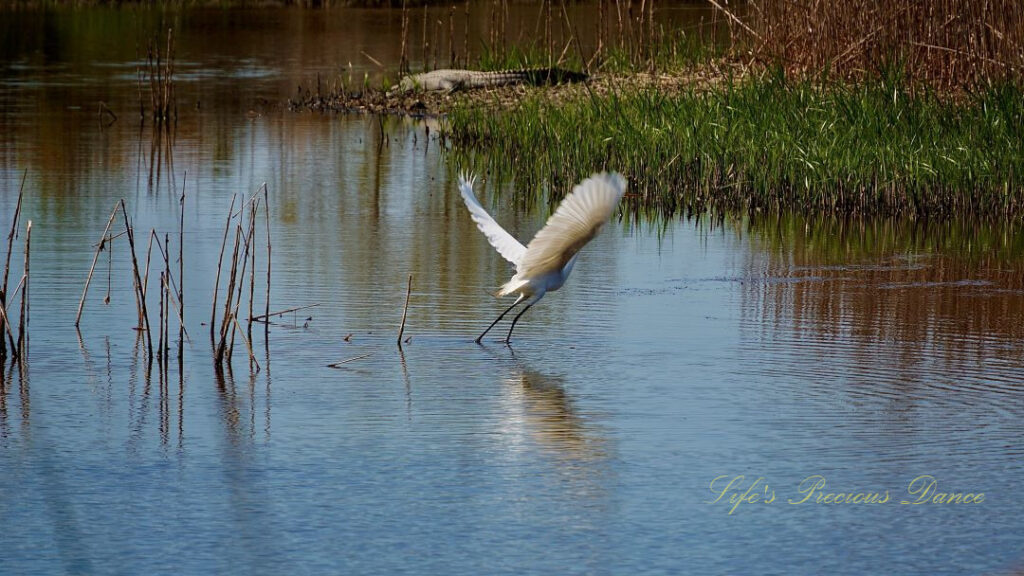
(181, 269)
(248, 345)
(6, 321)
(403, 62)
(144, 320)
(405, 311)
(266, 213)
(247, 246)
(10, 250)
(220, 262)
(465, 39)
(451, 36)
(426, 45)
(161, 316)
(252, 268)
(229, 294)
(166, 289)
(145, 275)
(102, 245)
(23, 319)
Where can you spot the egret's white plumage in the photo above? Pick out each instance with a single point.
(544, 264)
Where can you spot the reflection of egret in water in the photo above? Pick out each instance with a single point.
(538, 405)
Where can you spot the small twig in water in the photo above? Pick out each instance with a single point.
(338, 364)
(264, 317)
(405, 312)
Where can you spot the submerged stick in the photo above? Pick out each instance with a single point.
(338, 364)
(405, 311)
(95, 258)
(263, 317)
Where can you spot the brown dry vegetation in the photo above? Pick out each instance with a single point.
(946, 44)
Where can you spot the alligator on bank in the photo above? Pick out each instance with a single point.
(452, 80)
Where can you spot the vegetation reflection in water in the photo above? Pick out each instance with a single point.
(784, 346)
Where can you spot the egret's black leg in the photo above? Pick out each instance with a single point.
(516, 319)
(507, 310)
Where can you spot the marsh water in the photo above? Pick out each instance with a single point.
(682, 353)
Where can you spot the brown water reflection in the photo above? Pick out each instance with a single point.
(888, 301)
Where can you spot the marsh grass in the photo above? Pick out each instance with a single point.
(768, 143)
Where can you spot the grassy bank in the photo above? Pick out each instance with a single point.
(767, 142)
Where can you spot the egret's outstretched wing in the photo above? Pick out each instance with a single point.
(510, 248)
(578, 219)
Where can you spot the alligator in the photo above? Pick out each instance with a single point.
(452, 80)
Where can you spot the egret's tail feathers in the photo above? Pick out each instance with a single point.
(510, 287)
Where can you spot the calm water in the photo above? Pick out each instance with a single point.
(678, 352)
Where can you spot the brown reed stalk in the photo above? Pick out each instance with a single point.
(168, 91)
(426, 45)
(465, 39)
(226, 320)
(103, 244)
(451, 36)
(405, 311)
(161, 316)
(168, 281)
(181, 269)
(618, 14)
(23, 318)
(266, 213)
(248, 345)
(248, 236)
(6, 321)
(220, 262)
(10, 250)
(549, 41)
(252, 269)
(437, 40)
(138, 282)
(403, 62)
(149, 253)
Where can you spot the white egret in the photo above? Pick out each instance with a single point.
(544, 264)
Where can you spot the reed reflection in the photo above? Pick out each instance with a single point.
(889, 301)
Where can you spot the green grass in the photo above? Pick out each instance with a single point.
(768, 143)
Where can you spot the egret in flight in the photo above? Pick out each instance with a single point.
(544, 264)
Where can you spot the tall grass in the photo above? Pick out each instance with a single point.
(769, 143)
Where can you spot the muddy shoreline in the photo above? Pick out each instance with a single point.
(337, 98)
